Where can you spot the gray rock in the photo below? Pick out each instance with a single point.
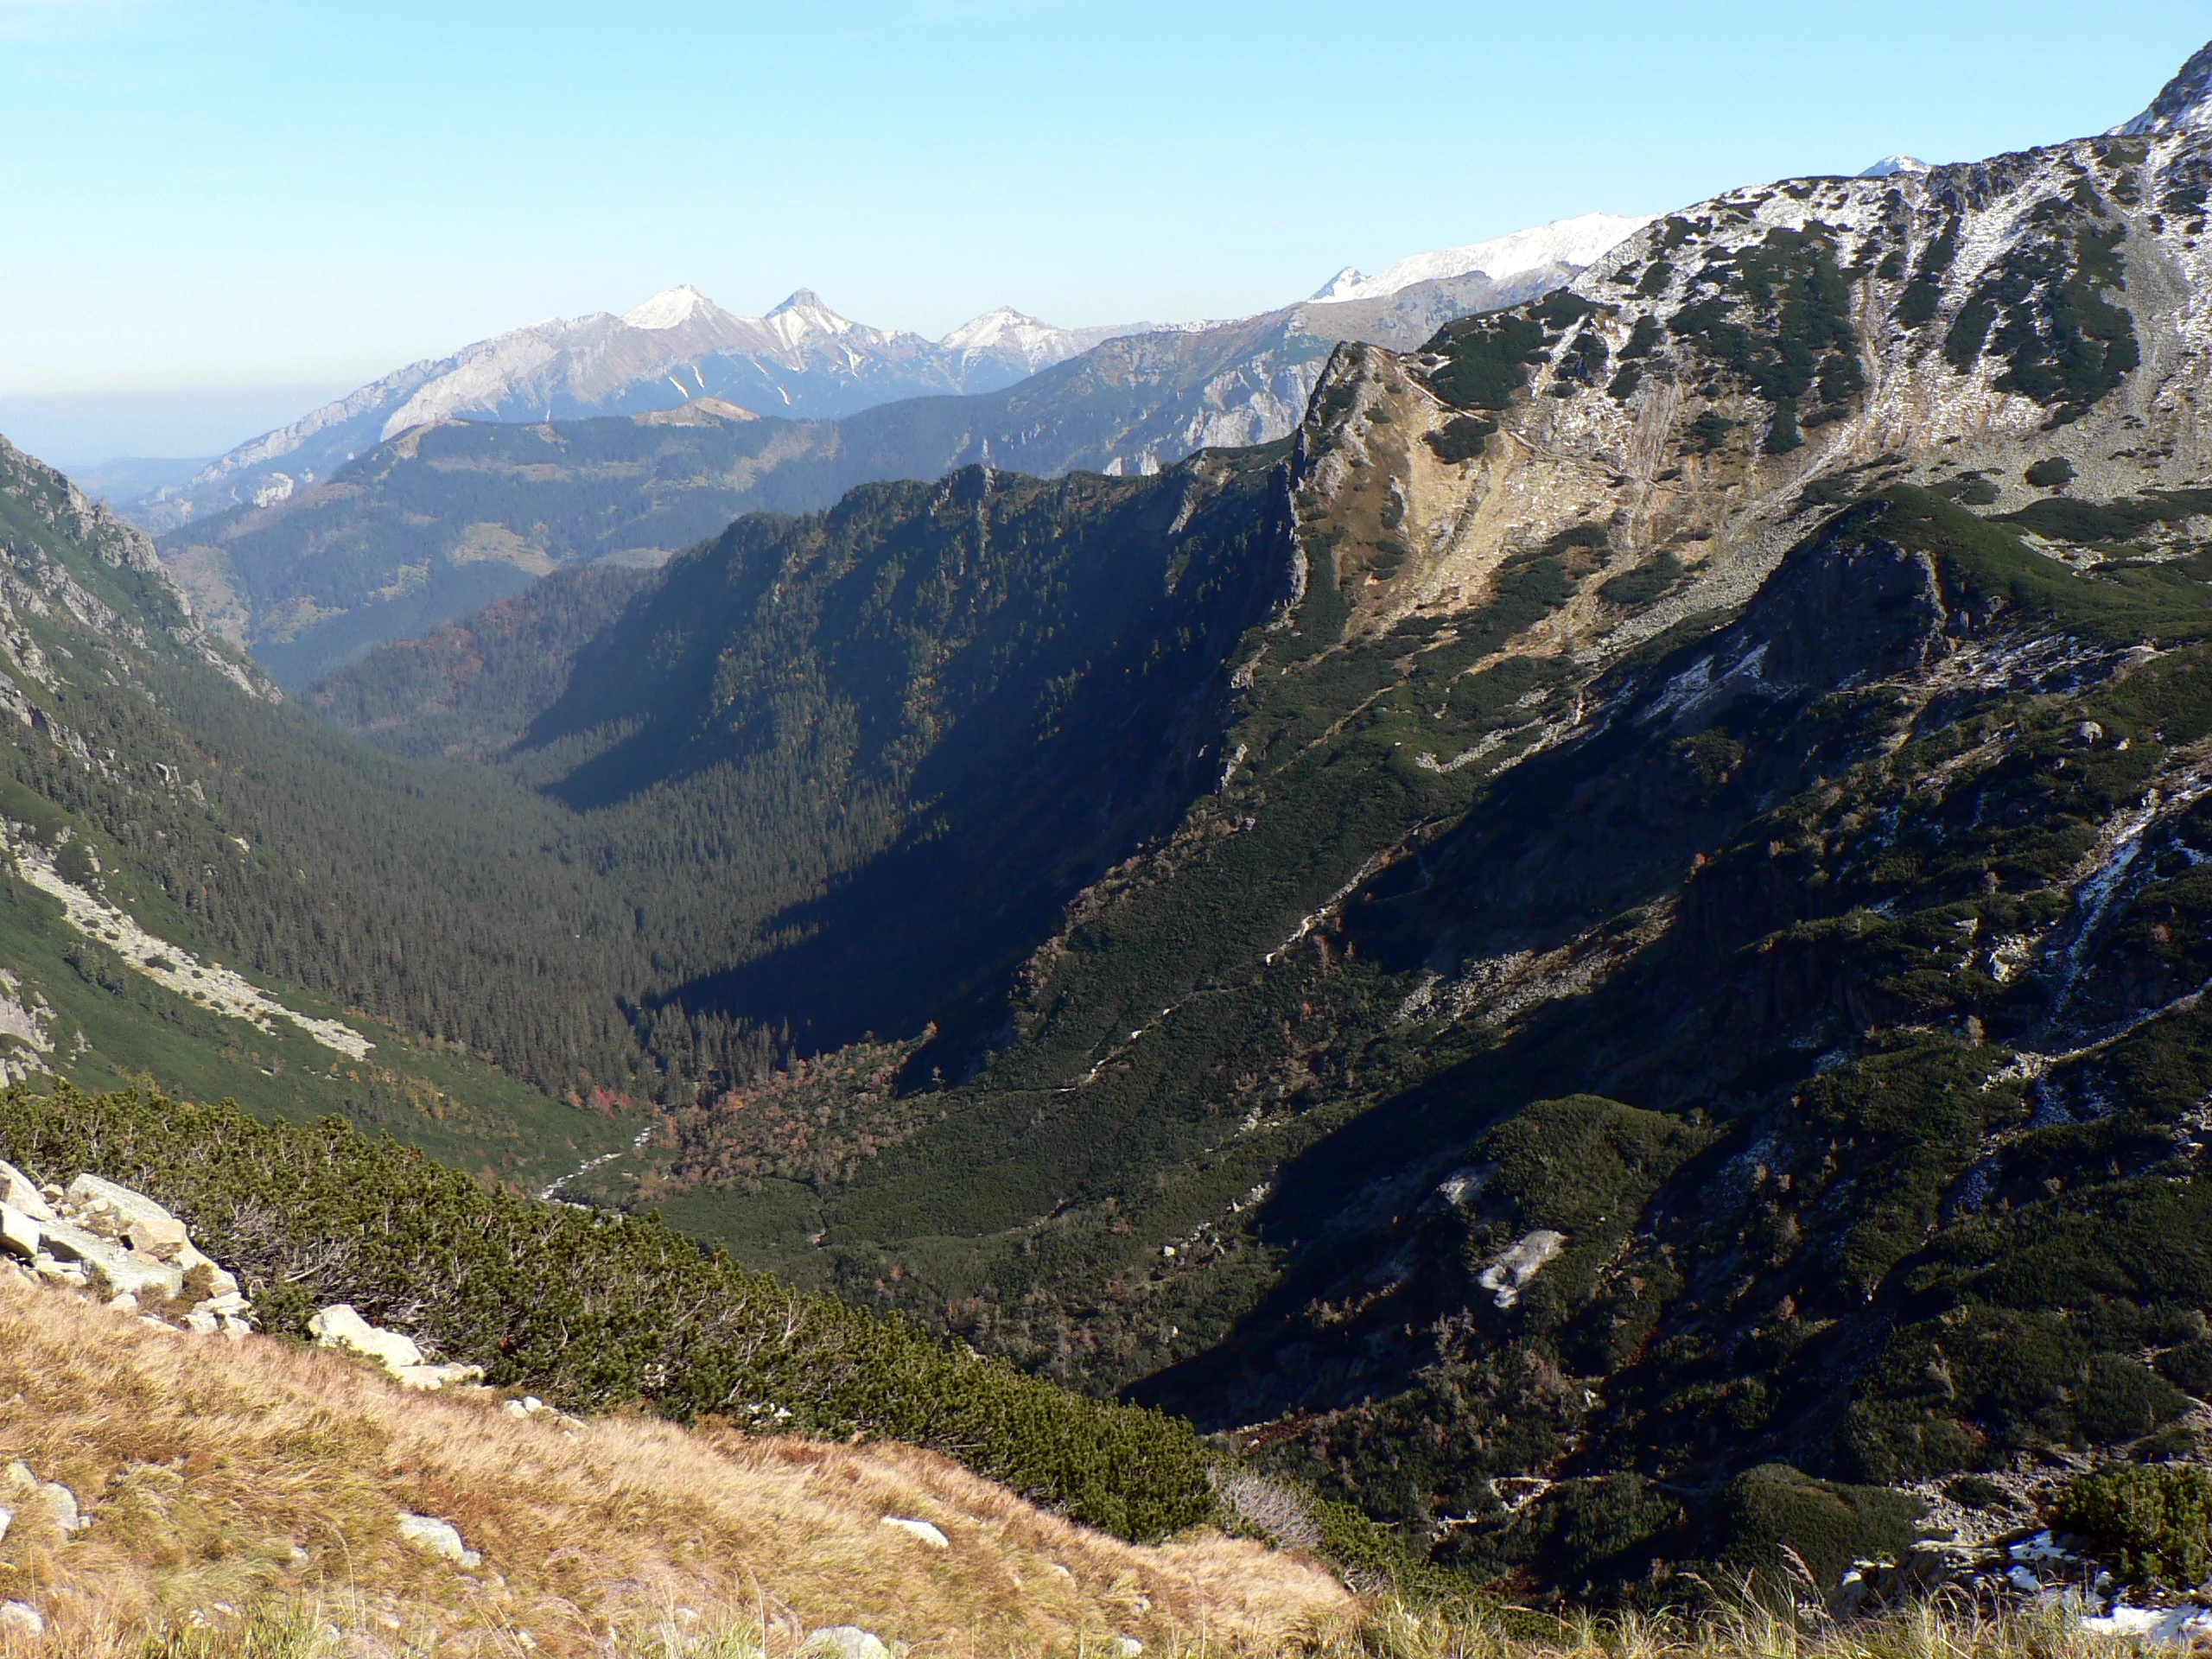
(124, 1271)
(61, 1503)
(843, 1642)
(20, 1233)
(7, 1520)
(921, 1529)
(149, 1227)
(18, 1191)
(339, 1326)
(21, 1618)
(432, 1377)
(440, 1537)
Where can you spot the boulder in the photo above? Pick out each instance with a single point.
(339, 1326)
(150, 1228)
(19, 1191)
(7, 1520)
(440, 1537)
(21, 1618)
(20, 1233)
(61, 1503)
(843, 1642)
(437, 1377)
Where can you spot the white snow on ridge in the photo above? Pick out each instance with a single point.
(1890, 166)
(669, 307)
(1563, 242)
(1015, 336)
(2185, 103)
(804, 313)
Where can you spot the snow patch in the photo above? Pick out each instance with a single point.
(1577, 241)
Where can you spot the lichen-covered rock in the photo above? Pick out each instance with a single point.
(149, 1229)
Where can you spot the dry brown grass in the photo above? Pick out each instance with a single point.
(226, 1479)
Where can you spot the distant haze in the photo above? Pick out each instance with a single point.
(75, 429)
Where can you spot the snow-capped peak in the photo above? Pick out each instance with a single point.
(1575, 242)
(669, 309)
(1890, 166)
(998, 327)
(2186, 101)
(804, 313)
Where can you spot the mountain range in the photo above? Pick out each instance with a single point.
(1584, 947)
(453, 514)
(801, 360)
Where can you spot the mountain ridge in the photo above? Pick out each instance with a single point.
(800, 356)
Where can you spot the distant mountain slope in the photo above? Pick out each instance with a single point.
(186, 901)
(424, 529)
(801, 359)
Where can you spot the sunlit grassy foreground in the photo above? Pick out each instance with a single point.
(309, 1631)
(245, 1500)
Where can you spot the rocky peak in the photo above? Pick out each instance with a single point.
(2185, 102)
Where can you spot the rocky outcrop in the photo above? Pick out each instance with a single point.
(107, 1241)
(104, 1240)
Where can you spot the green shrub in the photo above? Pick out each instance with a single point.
(2120, 1398)
(1707, 432)
(2153, 1523)
(2189, 1366)
(1461, 438)
(1782, 433)
(1827, 1525)
(2049, 474)
(1644, 584)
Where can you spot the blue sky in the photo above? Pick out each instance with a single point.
(220, 208)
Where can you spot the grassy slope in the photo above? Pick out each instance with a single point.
(238, 1473)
